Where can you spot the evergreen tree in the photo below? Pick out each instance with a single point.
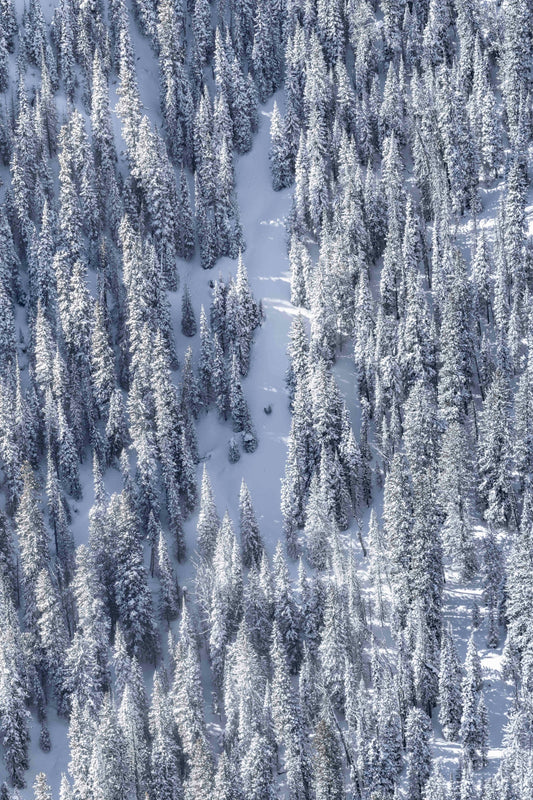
(319, 529)
(483, 725)
(33, 542)
(168, 598)
(333, 648)
(186, 693)
(41, 789)
(256, 769)
(102, 361)
(133, 598)
(450, 698)
(398, 511)
(437, 786)
(327, 762)
(130, 719)
(226, 787)
(188, 320)
(199, 785)
(280, 154)
(52, 630)
(251, 542)
(208, 519)
(205, 364)
(285, 611)
(417, 732)
(110, 772)
(493, 572)
(494, 452)
(516, 51)
(470, 731)
(390, 740)
(13, 697)
(239, 408)
(164, 754)
(378, 564)
(456, 491)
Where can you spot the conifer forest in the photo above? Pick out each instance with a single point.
(266, 400)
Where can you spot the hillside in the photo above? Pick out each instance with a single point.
(266, 400)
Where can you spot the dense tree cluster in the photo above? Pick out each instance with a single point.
(90, 238)
(390, 130)
(391, 121)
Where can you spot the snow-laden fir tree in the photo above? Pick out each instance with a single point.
(417, 732)
(450, 693)
(251, 541)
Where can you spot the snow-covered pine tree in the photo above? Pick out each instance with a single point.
(470, 730)
(251, 541)
(188, 319)
(417, 732)
(450, 696)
